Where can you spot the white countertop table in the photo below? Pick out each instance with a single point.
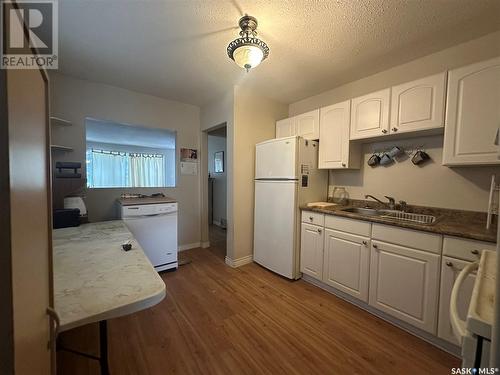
(96, 280)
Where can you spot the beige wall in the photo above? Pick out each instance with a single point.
(432, 184)
(254, 121)
(75, 99)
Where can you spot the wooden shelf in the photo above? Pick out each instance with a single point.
(61, 148)
(59, 121)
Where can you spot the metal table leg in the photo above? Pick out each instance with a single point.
(103, 347)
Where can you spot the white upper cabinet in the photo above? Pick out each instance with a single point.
(334, 148)
(418, 105)
(472, 114)
(307, 125)
(285, 128)
(370, 115)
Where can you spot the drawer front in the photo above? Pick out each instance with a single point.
(465, 249)
(359, 227)
(314, 218)
(408, 237)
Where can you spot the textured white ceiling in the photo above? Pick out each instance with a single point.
(177, 49)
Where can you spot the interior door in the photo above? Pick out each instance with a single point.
(334, 135)
(404, 284)
(30, 220)
(450, 268)
(347, 259)
(274, 226)
(276, 159)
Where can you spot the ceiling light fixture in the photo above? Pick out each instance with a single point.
(248, 51)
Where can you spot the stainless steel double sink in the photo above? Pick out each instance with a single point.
(393, 215)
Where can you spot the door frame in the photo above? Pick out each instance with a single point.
(205, 241)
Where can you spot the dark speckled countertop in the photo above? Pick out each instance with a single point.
(465, 224)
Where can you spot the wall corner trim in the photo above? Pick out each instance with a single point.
(239, 262)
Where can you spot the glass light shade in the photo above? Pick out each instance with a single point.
(248, 56)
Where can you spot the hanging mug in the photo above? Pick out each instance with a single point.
(420, 157)
(374, 160)
(385, 159)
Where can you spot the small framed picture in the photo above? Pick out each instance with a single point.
(219, 162)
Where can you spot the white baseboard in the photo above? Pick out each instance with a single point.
(189, 246)
(430, 338)
(205, 244)
(238, 262)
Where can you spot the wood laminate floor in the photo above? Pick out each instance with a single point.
(219, 320)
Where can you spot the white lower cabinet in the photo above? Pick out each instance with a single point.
(404, 283)
(450, 269)
(311, 250)
(346, 263)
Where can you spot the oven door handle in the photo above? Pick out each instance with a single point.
(458, 325)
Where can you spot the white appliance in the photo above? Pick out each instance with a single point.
(75, 202)
(475, 333)
(286, 176)
(154, 226)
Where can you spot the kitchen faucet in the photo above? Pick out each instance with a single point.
(391, 204)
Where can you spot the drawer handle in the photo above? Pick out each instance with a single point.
(475, 252)
(449, 264)
(365, 243)
(375, 246)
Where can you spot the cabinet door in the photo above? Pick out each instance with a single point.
(472, 114)
(418, 105)
(404, 284)
(311, 250)
(286, 128)
(370, 115)
(308, 124)
(346, 264)
(450, 269)
(334, 136)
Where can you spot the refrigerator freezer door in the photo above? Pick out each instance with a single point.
(274, 226)
(276, 159)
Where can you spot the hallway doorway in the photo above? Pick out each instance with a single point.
(217, 190)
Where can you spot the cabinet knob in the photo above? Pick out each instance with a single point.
(343, 164)
(310, 218)
(384, 131)
(375, 246)
(449, 264)
(319, 230)
(475, 252)
(394, 129)
(365, 243)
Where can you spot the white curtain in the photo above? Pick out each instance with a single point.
(106, 169)
(147, 170)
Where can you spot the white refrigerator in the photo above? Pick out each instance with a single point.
(286, 177)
